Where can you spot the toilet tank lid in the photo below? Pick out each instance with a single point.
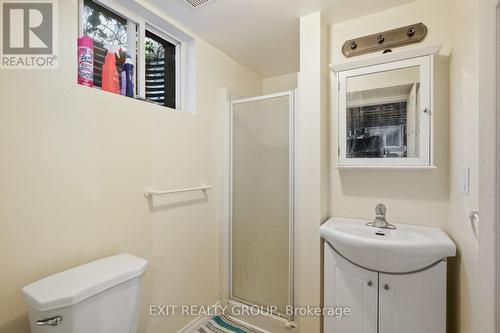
(78, 283)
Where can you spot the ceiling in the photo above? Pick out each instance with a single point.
(263, 35)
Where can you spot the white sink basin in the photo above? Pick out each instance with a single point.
(405, 249)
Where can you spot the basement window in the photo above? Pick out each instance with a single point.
(162, 55)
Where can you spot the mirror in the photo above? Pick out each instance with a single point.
(382, 114)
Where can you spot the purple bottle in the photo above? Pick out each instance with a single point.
(127, 87)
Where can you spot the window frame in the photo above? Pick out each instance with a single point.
(137, 25)
(178, 47)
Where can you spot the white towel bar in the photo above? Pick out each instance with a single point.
(149, 193)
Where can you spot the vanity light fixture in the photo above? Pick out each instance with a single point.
(386, 40)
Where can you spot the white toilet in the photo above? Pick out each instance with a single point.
(99, 297)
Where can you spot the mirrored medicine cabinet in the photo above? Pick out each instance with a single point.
(384, 109)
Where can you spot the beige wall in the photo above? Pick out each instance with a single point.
(488, 156)
(275, 84)
(465, 152)
(430, 197)
(75, 162)
(312, 152)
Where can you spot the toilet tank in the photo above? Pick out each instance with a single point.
(99, 297)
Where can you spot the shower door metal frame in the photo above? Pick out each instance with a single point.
(497, 167)
(291, 207)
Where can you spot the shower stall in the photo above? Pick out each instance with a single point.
(261, 203)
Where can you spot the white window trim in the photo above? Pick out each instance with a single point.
(185, 48)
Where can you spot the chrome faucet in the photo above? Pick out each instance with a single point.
(380, 221)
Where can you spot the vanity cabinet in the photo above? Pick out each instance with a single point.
(381, 302)
(384, 109)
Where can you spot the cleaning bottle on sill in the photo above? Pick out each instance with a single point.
(127, 82)
(86, 61)
(110, 78)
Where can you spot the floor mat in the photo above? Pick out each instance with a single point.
(225, 324)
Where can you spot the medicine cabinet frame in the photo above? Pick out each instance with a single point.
(421, 57)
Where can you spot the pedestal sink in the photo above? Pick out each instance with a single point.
(408, 248)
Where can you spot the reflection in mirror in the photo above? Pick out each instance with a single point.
(382, 114)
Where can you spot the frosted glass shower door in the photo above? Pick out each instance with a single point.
(262, 201)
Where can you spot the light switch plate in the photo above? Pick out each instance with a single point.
(465, 180)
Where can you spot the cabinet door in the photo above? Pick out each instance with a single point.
(347, 285)
(413, 303)
(383, 114)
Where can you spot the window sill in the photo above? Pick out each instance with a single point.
(135, 98)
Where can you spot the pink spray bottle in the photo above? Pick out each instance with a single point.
(86, 61)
